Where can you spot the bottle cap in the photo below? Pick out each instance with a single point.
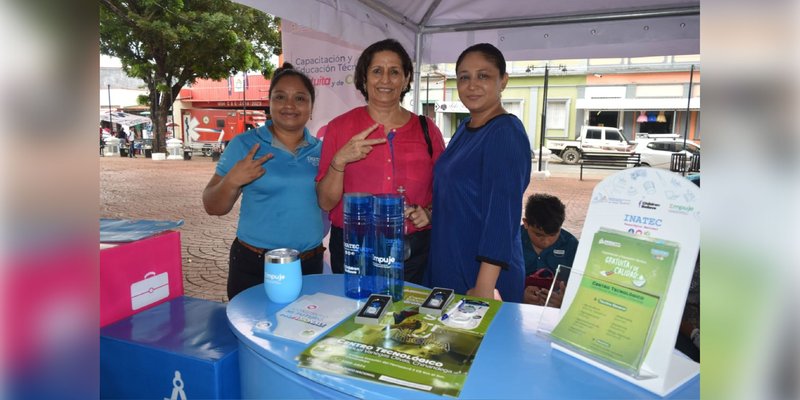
(357, 203)
(281, 256)
(388, 206)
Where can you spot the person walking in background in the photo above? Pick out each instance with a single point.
(478, 186)
(123, 138)
(381, 148)
(545, 246)
(273, 168)
(131, 142)
(102, 141)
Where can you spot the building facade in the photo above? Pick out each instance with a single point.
(639, 95)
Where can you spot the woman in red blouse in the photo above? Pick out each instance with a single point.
(381, 148)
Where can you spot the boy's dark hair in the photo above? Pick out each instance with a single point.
(365, 59)
(288, 70)
(545, 212)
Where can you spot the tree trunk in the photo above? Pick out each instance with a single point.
(163, 113)
(158, 118)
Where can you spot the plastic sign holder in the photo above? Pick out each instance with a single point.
(659, 204)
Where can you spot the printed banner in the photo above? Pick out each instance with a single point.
(408, 349)
(330, 63)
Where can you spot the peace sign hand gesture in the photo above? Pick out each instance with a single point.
(248, 168)
(357, 148)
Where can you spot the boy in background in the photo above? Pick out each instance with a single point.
(545, 245)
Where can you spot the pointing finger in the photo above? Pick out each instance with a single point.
(370, 142)
(363, 134)
(265, 158)
(252, 153)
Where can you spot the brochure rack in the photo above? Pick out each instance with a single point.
(652, 204)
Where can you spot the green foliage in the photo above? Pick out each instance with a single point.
(171, 43)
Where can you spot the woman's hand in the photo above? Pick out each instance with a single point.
(221, 192)
(248, 168)
(418, 216)
(357, 148)
(494, 294)
(486, 282)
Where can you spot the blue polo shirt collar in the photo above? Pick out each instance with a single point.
(265, 134)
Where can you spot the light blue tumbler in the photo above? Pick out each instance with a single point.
(283, 275)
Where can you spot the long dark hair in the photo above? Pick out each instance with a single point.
(366, 58)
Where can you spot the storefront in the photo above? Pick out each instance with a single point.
(641, 115)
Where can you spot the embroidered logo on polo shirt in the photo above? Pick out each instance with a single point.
(313, 160)
(559, 253)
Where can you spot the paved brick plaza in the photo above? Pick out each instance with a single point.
(170, 190)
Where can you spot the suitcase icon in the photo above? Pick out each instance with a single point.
(149, 290)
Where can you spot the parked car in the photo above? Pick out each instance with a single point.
(656, 150)
(595, 139)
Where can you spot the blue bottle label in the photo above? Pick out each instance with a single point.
(351, 252)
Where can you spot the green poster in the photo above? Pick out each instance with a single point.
(634, 261)
(408, 349)
(612, 317)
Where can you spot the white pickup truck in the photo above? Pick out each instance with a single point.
(596, 139)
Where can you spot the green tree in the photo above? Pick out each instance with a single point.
(171, 43)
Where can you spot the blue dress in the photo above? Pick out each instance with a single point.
(478, 184)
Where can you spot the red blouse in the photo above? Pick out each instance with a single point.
(405, 162)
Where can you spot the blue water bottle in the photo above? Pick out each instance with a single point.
(358, 239)
(387, 259)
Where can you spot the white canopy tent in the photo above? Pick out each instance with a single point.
(436, 31)
(123, 118)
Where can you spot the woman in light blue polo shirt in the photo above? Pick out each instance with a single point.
(273, 168)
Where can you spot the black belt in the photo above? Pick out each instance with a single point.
(302, 256)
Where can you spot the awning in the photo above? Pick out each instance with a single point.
(676, 104)
(122, 118)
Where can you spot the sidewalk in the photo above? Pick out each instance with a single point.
(141, 188)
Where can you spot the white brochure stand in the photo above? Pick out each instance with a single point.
(663, 205)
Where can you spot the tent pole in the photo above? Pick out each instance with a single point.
(417, 107)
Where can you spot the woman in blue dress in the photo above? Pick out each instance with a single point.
(478, 186)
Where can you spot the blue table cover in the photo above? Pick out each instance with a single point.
(513, 362)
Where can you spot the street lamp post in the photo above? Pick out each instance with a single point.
(688, 104)
(544, 114)
(543, 128)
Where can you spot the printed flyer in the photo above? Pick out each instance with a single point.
(612, 315)
(408, 349)
(306, 318)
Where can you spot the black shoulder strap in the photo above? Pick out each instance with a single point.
(424, 122)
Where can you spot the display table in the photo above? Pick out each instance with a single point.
(512, 362)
